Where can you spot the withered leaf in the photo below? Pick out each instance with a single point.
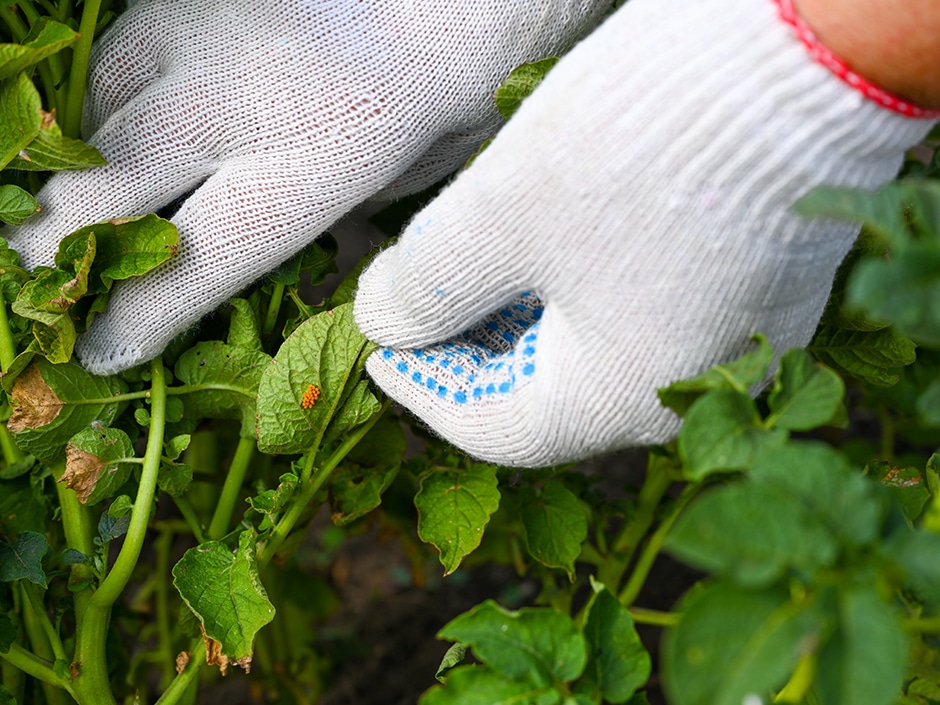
(33, 401)
(182, 660)
(215, 657)
(82, 470)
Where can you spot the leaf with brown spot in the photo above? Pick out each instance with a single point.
(51, 403)
(214, 655)
(93, 466)
(34, 402)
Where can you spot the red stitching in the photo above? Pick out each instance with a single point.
(824, 56)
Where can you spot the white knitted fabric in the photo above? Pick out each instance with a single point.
(643, 194)
(283, 115)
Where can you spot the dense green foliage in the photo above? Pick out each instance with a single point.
(813, 512)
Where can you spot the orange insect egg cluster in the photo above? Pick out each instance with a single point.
(310, 396)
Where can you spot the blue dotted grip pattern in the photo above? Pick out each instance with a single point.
(489, 359)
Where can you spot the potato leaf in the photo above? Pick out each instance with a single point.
(92, 463)
(618, 663)
(23, 559)
(520, 83)
(805, 394)
(536, 645)
(229, 377)
(476, 685)
(16, 205)
(731, 643)
(555, 525)
(304, 385)
(867, 355)
(44, 39)
(454, 507)
(21, 116)
(51, 403)
(50, 150)
(225, 593)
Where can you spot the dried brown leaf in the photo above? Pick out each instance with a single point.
(182, 661)
(33, 401)
(82, 470)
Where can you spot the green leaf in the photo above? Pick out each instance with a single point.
(864, 661)
(53, 151)
(454, 506)
(20, 116)
(93, 466)
(319, 258)
(44, 39)
(751, 533)
(722, 433)
(903, 290)
(244, 328)
(320, 356)
(476, 685)
(16, 205)
(537, 645)
(12, 275)
(928, 405)
(520, 83)
(229, 377)
(805, 394)
(112, 527)
(51, 403)
(23, 559)
(174, 478)
(355, 409)
(618, 663)
(23, 506)
(455, 656)
(739, 375)
(223, 590)
(6, 697)
(555, 525)
(866, 355)
(731, 643)
(881, 212)
(174, 447)
(916, 553)
(906, 485)
(824, 482)
(7, 634)
(124, 248)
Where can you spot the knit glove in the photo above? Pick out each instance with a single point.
(629, 227)
(282, 115)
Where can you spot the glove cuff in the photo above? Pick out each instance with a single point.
(823, 55)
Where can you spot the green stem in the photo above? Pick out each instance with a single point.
(180, 684)
(222, 516)
(17, 27)
(924, 625)
(92, 631)
(38, 668)
(42, 619)
(71, 122)
(40, 644)
(654, 617)
(7, 345)
(162, 547)
(309, 489)
(645, 563)
(189, 515)
(170, 392)
(80, 531)
(11, 451)
(274, 310)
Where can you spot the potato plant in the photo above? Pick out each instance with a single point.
(812, 512)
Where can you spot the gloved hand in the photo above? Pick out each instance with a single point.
(283, 115)
(642, 197)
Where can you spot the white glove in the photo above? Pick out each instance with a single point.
(643, 194)
(283, 115)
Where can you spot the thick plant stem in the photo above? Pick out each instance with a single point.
(645, 563)
(310, 488)
(42, 619)
(11, 451)
(182, 682)
(274, 309)
(71, 122)
(222, 516)
(80, 533)
(38, 668)
(7, 346)
(654, 617)
(93, 628)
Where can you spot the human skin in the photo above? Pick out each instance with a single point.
(894, 44)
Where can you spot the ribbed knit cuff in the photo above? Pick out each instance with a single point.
(823, 55)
